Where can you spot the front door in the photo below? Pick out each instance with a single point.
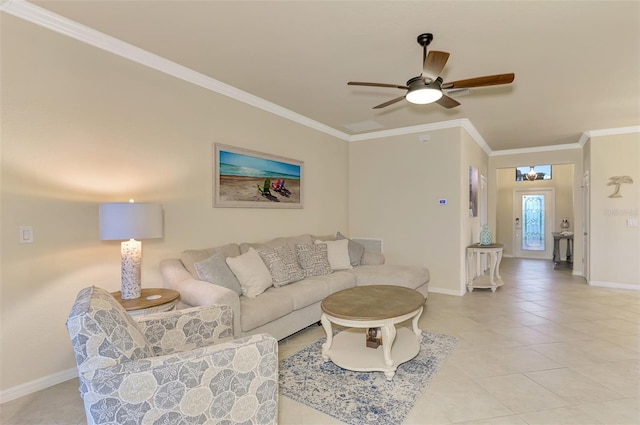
(533, 223)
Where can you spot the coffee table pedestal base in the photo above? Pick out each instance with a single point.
(350, 352)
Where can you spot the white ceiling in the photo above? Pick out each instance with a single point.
(577, 63)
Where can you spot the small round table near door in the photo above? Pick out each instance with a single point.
(476, 277)
(375, 306)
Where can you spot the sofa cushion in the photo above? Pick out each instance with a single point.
(407, 276)
(356, 250)
(336, 281)
(252, 273)
(102, 332)
(291, 241)
(313, 259)
(338, 254)
(191, 256)
(305, 292)
(269, 306)
(282, 263)
(215, 270)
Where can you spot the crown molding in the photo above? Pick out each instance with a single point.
(442, 125)
(65, 26)
(537, 149)
(607, 132)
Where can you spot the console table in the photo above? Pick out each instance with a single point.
(557, 260)
(476, 278)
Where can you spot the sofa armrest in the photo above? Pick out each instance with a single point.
(233, 382)
(196, 293)
(184, 330)
(370, 258)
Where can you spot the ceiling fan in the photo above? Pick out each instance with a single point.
(429, 87)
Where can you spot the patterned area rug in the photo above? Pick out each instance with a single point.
(358, 398)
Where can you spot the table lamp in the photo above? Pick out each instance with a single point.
(129, 221)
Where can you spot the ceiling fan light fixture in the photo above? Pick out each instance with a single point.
(424, 95)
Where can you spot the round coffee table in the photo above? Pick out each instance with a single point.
(373, 306)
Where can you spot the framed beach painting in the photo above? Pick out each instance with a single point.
(245, 178)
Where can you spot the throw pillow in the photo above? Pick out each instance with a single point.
(356, 250)
(313, 259)
(338, 254)
(252, 273)
(215, 270)
(282, 264)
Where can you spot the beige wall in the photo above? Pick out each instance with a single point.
(615, 247)
(395, 186)
(562, 185)
(572, 156)
(81, 126)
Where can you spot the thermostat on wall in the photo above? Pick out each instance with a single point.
(442, 202)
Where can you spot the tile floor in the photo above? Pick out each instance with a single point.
(544, 349)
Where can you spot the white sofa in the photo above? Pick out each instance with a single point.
(283, 310)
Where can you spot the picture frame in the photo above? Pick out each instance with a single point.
(473, 191)
(245, 178)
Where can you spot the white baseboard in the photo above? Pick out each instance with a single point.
(616, 285)
(37, 385)
(447, 291)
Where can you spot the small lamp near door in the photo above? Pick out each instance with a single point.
(129, 221)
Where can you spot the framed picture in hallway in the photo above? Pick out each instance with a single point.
(473, 192)
(250, 179)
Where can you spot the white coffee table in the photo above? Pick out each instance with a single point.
(373, 306)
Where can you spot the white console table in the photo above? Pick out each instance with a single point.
(476, 277)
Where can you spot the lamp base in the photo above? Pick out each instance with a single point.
(131, 252)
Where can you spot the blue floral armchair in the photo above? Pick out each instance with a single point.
(179, 367)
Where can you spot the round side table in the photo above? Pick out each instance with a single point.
(152, 300)
(475, 275)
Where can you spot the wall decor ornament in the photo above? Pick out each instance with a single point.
(617, 181)
(245, 178)
(485, 235)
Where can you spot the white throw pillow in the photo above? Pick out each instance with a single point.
(252, 273)
(338, 253)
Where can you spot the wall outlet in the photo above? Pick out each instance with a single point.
(632, 222)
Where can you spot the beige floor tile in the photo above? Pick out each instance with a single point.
(572, 386)
(561, 416)
(500, 420)
(619, 412)
(521, 394)
(622, 377)
(522, 359)
(463, 401)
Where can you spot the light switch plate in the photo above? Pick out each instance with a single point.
(26, 234)
(632, 222)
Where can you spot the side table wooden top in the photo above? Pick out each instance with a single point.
(375, 302)
(150, 297)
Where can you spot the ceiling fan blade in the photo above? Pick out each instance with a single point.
(390, 102)
(360, 83)
(447, 102)
(434, 64)
(489, 80)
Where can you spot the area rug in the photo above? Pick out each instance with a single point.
(359, 398)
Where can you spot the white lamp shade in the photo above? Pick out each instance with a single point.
(130, 220)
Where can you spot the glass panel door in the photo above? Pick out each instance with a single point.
(533, 229)
(533, 223)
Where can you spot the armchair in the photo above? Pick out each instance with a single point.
(180, 367)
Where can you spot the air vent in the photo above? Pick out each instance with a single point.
(370, 244)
